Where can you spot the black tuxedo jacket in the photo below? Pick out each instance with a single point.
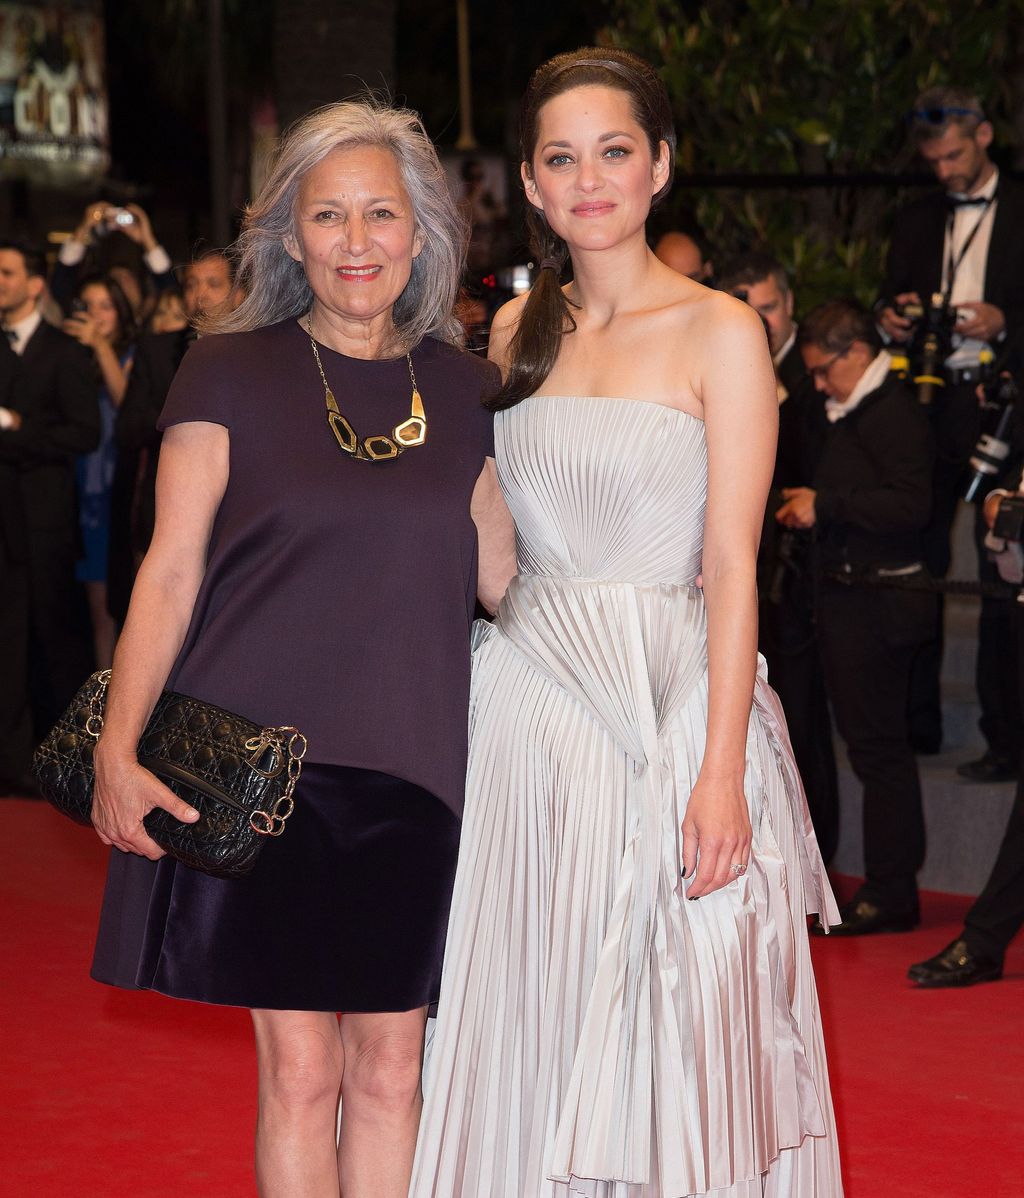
(915, 255)
(53, 386)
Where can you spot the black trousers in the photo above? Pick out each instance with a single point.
(955, 425)
(58, 645)
(998, 912)
(789, 641)
(996, 669)
(868, 642)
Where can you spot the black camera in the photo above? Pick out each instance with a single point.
(1009, 522)
(931, 341)
(993, 447)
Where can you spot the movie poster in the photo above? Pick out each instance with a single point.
(53, 100)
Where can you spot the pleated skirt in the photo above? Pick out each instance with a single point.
(722, 1087)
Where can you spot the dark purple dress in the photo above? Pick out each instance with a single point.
(338, 597)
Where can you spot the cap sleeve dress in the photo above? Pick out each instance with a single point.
(338, 597)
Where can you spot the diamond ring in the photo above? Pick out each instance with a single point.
(738, 869)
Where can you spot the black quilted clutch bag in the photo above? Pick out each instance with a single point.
(238, 776)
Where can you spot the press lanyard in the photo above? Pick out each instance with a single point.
(953, 264)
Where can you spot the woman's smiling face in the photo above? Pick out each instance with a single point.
(355, 232)
(592, 172)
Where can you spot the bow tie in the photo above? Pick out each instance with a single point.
(11, 336)
(956, 202)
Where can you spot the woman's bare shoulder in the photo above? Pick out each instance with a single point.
(503, 328)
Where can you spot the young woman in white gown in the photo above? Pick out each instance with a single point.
(628, 1008)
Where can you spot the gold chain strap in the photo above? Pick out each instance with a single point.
(289, 747)
(94, 721)
(288, 744)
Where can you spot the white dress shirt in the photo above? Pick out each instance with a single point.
(23, 331)
(969, 280)
(777, 358)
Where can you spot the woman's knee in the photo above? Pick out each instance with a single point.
(300, 1059)
(384, 1069)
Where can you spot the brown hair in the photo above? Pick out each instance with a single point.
(546, 314)
(834, 326)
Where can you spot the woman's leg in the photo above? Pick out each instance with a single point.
(301, 1062)
(381, 1101)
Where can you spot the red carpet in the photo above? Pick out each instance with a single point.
(107, 1094)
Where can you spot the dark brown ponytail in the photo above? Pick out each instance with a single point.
(547, 315)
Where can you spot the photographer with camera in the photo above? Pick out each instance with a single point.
(997, 914)
(99, 221)
(954, 291)
(787, 635)
(869, 504)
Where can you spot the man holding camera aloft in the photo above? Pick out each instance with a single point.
(99, 220)
(956, 267)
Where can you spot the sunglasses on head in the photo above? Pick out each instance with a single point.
(939, 116)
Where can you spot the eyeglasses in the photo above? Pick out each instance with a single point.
(939, 116)
(821, 370)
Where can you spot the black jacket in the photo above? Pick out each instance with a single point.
(915, 254)
(874, 481)
(801, 424)
(53, 386)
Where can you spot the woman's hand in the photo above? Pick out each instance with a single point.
(718, 824)
(84, 329)
(123, 796)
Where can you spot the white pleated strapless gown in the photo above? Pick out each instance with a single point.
(598, 1034)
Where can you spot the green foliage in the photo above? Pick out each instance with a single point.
(813, 87)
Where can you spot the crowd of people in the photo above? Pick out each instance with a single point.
(86, 362)
(869, 474)
(624, 750)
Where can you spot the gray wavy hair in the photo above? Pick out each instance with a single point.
(276, 285)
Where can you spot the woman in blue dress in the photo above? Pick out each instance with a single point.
(102, 321)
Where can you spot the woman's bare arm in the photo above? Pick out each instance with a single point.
(497, 538)
(738, 392)
(191, 480)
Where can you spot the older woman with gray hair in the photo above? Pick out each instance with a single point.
(327, 513)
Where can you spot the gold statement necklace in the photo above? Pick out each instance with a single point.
(378, 447)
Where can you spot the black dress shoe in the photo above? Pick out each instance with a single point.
(956, 965)
(861, 917)
(989, 767)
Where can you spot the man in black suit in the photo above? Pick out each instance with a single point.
(997, 915)
(208, 288)
(869, 504)
(965, 244)
(48, 415)
(787, 634)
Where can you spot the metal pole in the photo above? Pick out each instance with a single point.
(466, 139)
(220, 215)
